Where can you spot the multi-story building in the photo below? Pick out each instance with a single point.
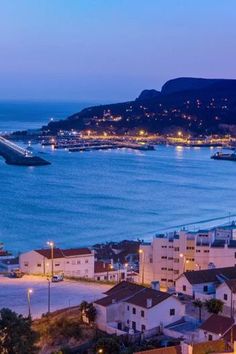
(77, 262)
(169, 255)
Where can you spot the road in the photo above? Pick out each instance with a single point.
(13, 294)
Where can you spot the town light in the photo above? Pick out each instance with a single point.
(51, 245)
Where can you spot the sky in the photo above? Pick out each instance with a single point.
(110, 50)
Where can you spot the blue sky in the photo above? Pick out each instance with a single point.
(109, 50)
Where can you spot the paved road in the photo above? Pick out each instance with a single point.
(13, 294)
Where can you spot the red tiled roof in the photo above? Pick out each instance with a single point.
(217, 324)
(141, 298)
(59, 253)
(100, 267)
(210, 275)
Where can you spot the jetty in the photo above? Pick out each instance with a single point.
(16, 155)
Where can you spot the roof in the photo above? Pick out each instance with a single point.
(119, 292)
(210, 275)
(100, 267)
(59, 253)
(133, 294)
(217, 324)
(165, 350)
(141, 298)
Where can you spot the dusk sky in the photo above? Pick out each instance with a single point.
(110, 50)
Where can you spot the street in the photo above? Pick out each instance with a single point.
(13, 294)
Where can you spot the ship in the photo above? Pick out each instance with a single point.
(221, 156)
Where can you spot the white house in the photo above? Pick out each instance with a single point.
(202, 284)
(133, 308)
(78, 262)
(226, 292)
(106, 271)
(215, 327)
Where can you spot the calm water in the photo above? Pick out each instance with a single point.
(84, 198)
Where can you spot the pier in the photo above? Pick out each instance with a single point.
(16, 155)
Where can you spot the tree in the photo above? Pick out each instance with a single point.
(107, 345)
(16, 335)
(198, 304)
(88, 311)
(214, 306)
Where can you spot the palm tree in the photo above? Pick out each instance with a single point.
(214, 306)
(198, 304)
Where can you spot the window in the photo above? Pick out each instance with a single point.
(98, 278)
(39, 265)
(68, 262)
(163, 246)
(163, 257)
(176, 260)
(198, 251)
(206, 251)
(143, 327)
(163, 268)
(184, 287)
(134, 311)
(176, 249)
(176, 272)
(57, 264)
(210, 337)
(127, 321)
(128, 308)
(86, 260)
(172, 312)
(170, 269)
(142, 313)
(163, 279)
(205, 288)
(170, 281)
(26, 264)
(134, 325)
(78, 262)
(150, 260)
(225, 297)
(170, 258)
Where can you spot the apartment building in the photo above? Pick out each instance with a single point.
(169, 255)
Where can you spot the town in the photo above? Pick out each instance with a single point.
(178, 291)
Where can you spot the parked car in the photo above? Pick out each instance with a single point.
(57, 277)
(16, 274)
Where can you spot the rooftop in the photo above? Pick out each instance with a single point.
(59, 253)
(210, 275)
(217, 324)
(142, 297)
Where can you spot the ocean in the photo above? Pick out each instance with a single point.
(90, 197)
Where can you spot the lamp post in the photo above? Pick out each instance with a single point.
(140, 251)
(49, 295)
(51, 244)
(126, 270)
(29, 292)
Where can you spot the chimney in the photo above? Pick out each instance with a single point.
(149, 303)
(155, 285)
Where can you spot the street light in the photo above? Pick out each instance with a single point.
(29, 292)
(140, 251)
(51, 245)
(185, 261)
(49, 295)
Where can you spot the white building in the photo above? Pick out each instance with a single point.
(169, 255)
(132, 308)
(77, 262)
(226, 292)
(215, 327)
(202, 284)
(106, 272)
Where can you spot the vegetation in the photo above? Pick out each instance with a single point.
(88, 312)
(214, 306)
(16, 334)
(107, 345)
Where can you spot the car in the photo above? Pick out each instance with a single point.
(16, 274)
(57, 277)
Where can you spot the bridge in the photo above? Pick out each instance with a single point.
(16, 155)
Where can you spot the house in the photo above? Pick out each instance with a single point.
(78, 262)
(215, 327)
(202, 284)
(226, 292)
(9, 264)
(133, 308)
(106, 272)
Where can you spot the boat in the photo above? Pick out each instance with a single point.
(221, 156)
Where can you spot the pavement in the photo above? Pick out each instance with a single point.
(68, 293)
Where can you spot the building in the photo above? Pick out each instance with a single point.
(78, 262)
(9, 264)
(169, 255)
(132, 308)
(215, 327)
(106, 272)
(202, 284)
(226, 292)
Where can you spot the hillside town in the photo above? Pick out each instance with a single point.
(178, 289)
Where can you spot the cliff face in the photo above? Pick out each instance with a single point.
(198, 106)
